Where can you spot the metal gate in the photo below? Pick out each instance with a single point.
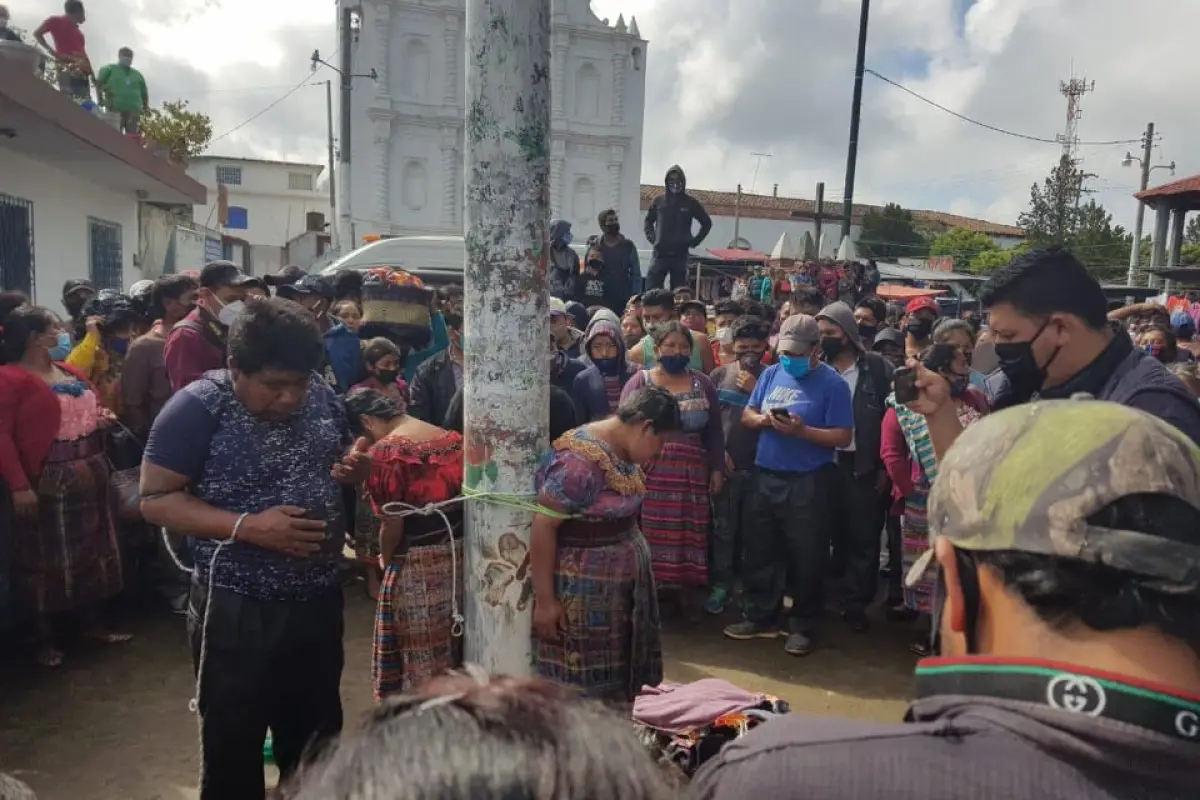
(16, 244)
(104, 254)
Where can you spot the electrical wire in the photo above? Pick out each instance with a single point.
(994, 128)
(307, 80)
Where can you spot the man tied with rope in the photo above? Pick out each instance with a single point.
(247, 461)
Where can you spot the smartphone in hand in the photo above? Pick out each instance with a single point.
(781, 414)
(904, 383)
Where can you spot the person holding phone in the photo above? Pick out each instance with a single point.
(804, 412)
(908, 455)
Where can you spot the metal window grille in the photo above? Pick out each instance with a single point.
(300, 181)
(230, 176)
(104, 254)
(16, 244)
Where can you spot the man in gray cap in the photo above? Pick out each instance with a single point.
(858, 499)
(803, 409)
(1066, 534)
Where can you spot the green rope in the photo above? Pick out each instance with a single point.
(519, 502)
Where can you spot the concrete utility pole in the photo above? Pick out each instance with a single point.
(855, 116)
(506, 381)
(1135, 252)
(335, 234)
(819, 215)
(345, 221)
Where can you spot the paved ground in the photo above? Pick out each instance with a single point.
(113, 724)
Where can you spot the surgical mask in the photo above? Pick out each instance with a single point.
(607, 366)
(230, 312)
(750, 361)
(388, 376)
(1020, 366)
(920, 329)
(125, 62)
(831, 347)
(62, 347)
(675, 364)
(566, 239)
(725, 335)
(119, 346)
(796, 366)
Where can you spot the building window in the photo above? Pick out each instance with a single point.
(229, 176)
(415, 70)
(16, 244)
(583, 202)
(105, 265)
(587, 92)
(300, 181)
(238, 219)
(414, 185)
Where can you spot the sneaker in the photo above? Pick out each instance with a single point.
(718, 601)
(798, 644)
(746, 630)
(856, 619)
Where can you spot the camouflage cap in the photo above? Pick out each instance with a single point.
(1029, 478)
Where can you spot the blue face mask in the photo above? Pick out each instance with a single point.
(119, 346)
(607, 366)
(675, 364)
(62, 349)
(796, 366)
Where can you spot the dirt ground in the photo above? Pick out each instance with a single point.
(113, 724)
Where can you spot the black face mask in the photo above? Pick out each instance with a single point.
(1020, 366)
(612, 229)
(388, 376)
(831, 347)
(867, 333)
(920, 329)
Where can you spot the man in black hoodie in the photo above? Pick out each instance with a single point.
(669, 229)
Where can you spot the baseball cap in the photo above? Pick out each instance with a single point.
(306, 286)
(888, 336)
(557, 307)
(1182, 324)
(74, 285)
(285, 276)
(222, 273)
(922, 304)
(799, 332)
(1029, 478)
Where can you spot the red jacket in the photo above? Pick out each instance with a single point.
(30, 417)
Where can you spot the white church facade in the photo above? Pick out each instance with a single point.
(407, 154)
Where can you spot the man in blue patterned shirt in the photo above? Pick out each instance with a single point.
(247, 461)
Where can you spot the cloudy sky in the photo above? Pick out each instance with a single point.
(727, 78)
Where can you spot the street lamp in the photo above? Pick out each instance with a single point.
(1130, 159)
(1144, 163)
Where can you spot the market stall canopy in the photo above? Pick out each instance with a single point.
(727, 255)
(896, 291)
(808, 248)
(847, 252)
(895, 272)
(826, 249)
(786, 249)
(1187, 275)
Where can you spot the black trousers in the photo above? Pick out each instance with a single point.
(662, 266)
(857, 516)
(786, 547)
(895, 545)
(268, 664)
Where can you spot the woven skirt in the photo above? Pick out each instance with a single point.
(612, 646)
(675, 514)
(69, 557)
(914, 531)
(413, 629)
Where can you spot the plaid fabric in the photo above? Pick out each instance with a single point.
(69, 557)
(675, 513)
(612, 647)
(366, 528)
(413, 641)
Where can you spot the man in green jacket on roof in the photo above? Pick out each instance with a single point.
(123, 90)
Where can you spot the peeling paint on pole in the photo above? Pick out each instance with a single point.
(507, 334)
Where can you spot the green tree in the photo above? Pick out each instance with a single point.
(1099, 244)
(988, 261)
(963, 244)
(891, 232)
(183, 133)
(1191, 234)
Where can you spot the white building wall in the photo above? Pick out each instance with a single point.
(62, 203)
(274, 212)
(406, 134)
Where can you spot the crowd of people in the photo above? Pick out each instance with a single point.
(735, 457)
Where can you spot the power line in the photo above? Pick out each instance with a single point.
(308, 78)
(994, 128)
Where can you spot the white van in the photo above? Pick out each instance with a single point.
(437, 260)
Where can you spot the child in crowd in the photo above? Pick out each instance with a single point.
(348, 312)
(382, 358)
